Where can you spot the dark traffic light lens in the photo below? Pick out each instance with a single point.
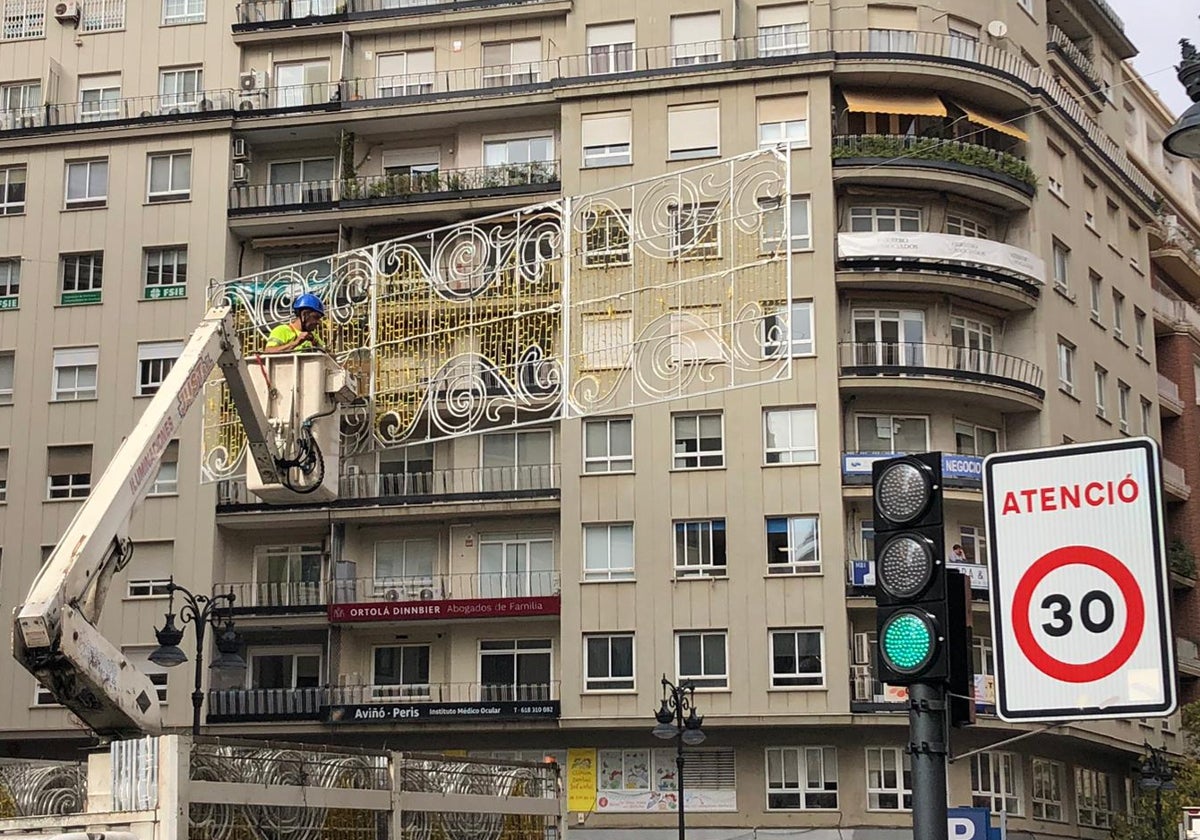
(907, 641)
(904, 566)
(903, 492)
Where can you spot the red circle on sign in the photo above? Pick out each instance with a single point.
(1081, 555)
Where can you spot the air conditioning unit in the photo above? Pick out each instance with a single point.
(67, 11)
(392, 595)
(241, 151)
(252, 80)
(864, 683)
(862, 649)
(241, 173)
(427, 594)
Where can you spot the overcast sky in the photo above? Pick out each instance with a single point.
(1155, 27)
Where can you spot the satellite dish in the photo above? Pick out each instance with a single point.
(997, 28)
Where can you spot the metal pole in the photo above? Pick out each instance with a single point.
(927, 727)
(1158, 820)
(197, 693)
(679, 775)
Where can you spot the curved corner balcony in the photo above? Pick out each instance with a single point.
(989, 272)
(985, 377)
(967, 169)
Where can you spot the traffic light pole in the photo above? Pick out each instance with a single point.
(928, 748)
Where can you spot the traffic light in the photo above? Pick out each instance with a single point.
(910, 570)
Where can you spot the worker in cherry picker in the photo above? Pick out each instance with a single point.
(300, 334)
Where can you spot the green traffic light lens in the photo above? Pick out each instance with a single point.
(907, 642)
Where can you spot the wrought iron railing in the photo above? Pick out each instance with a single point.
(43, 788)
(266, 703)
(256, 13)
(276, 595)
(446, 587)
(897, 150)
(163, 106)
(1074, 56)
(859, 358)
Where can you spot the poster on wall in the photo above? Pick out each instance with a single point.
(581, 779)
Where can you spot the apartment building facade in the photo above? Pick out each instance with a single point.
(971, 251)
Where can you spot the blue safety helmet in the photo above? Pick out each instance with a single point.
(308, 301)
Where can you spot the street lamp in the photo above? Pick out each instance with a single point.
(678, 701)
(1157, 776)
(1183, 138)
(200, 610)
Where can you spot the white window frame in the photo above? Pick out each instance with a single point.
(78, 359)
(173, 192)
(10, 280)
(193, 12)
(616, 56)
(402, 690)
(996, 782)
(1147, 409)
(703, 680)
(1101, 380)
(606, 462)
(7, 185)
(695, 232)
(795, 778)
(608, 571)
(514, 650)
(608, 224)
(8, 365)
(1123, 394)
(959, 225)
(706, 563)
(89, 198)
(1096, 283)
(1118, 318)
(169, 261)
(145, 589)
(688, 152)
(411, 584)
(693, 459)
(886, 219)
(77, 486)
(1043, 807)
(513, 476)
(166, 480)
(783, 39)
(610, 684)
(1066, 365)
(796, 680)
(789, 565)
(155, 360)
(1062, 267)
(105, 105)
(779, 331)
(1100, 808)
(513, 72)
(976, 537)
(23, 19)
(94, 280)
(901, 765)
(102, 15)
(505, 141)
(799, 223)
(173, 92)
(891, 421)
(791, 452)
(1139, 331)
(962, 426)
(294, 652)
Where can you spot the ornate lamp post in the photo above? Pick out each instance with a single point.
(677, 719)
(1183, 138)
(1157, 776)
(200, 610)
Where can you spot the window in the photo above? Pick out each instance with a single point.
(885, 219)
(608, 551)
(516, 565)
(610, 48)
(539, 149)
(407, 470)
(782, 30)
(789, 333)
(68, 472)
(166, 480)
(405, 74)
(515, 669)
(21, 104)
(700, 548)
(971, 439)
(802, 778)
(888, 337)
(3, 476)
(695, 39)
(694, 231)
(606, 139)
(1139, 330)
(892, 28)
(287, 575)
(401, 671)
(1118, 321)
(1055, 173)
(300, 181)
(512, 63)
(1113, 224)
(87, 183)
(1123, 405)
(405, 565)
(75, 373)
(1089, 204)
(1097, 285)
(183, 11)
(165, 273)
(276, 669)
(1061, 264)
(797, 658)
(139, 657)
(301, 83)
(973, 540)
(892, 433)
(693, 131)
(516, 461)
(1101, 392)
(793, 545)
(790, 436)
(102, 15)
(699, 441)
(7, 375)
(1047, 790)
(1095, 798)
(155, 359)
(964, 38)
(1066, 365)
(1133, 243)
(82, 278)
(996, 782)
(783, 120)
(609, 662)
(606, 243)
(701, 657)
(10, 283)
(1147, 421)
(23, 19)
(799, 222)
(608, 445)
(148, 588)
(889, 779)
(99, 97)
(966, 226)
(170, 177)
(180, 89)
(12, 189)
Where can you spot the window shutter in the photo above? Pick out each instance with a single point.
(159, 350)
(693, 29)
(694, 126)
(776, 109)
(412, 157)
(792, 13)
(610, 33)
(608, 129)
(393, 64)
(710, 769)
(64, 460)
(892, 17)
(524, 52)
(607, 341)
(155, 559)
(3, 464)
(496, 54)
(420, 61)
(76, 356)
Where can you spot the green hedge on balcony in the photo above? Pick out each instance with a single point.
(930, 148)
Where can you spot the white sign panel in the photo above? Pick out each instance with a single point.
(1080, 617)
(944, 246)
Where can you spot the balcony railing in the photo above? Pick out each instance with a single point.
(165, 107)
(982, 258)
(1075, 57)
(277, 596)
(1175, 479)
(1178, 313)
(891, 150)
(446, 587)
(254, 14)
(881, 358)
(449, 183)
(251, 704)
(1168, 392)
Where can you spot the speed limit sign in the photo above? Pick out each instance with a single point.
(1080, 620)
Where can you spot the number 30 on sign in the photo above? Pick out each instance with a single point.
(1080, 621)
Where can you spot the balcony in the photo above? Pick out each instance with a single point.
(1175, 481)
(196, 105)
(508, 180)
(1008, 383)
(1169, 401)
(386, 704)
(255, 15)
(441, 597)
(990, 272)
(1059, 42)
(969, 169)
(1175, 252)
(1188, 655)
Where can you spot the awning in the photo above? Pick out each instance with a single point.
(910, 104)
(994, 123)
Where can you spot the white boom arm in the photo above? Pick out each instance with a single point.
(55, 636)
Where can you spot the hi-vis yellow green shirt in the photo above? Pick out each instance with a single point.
(284, 333)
